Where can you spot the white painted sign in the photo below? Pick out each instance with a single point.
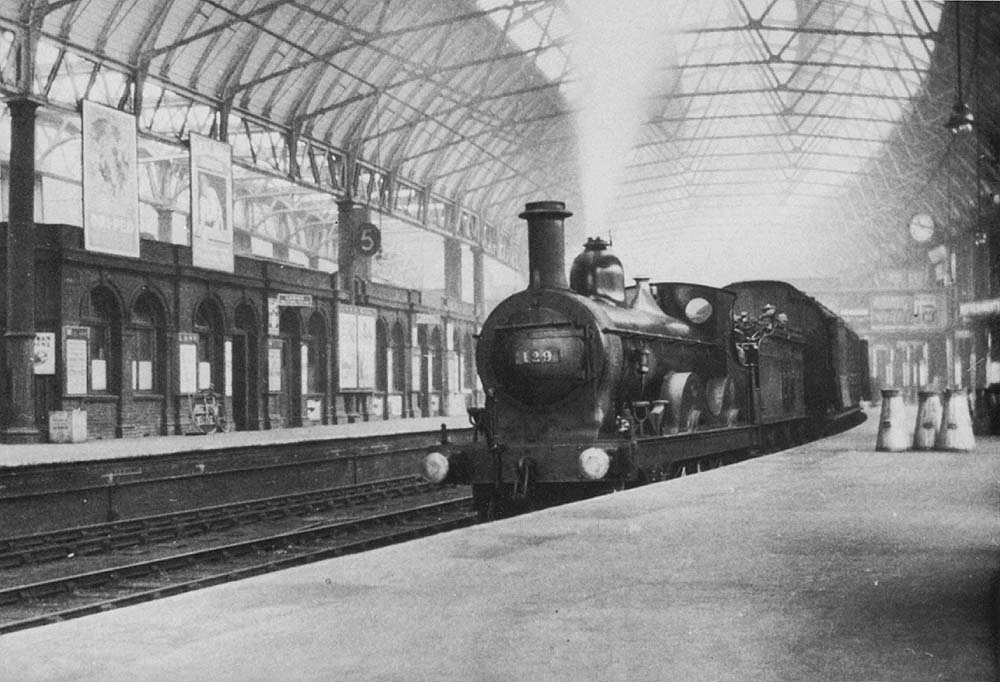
(295, 300)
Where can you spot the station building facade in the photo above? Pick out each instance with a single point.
(133, 341)
(283, 339)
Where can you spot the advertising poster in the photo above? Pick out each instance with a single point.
(77, 354)
(274, 351)
(273, 316)
(211, 204)
(347, 340)
(366, 349)
(304, 368)
(188, 362)
(356, 336)
(110, 181)
(99, 375)
(228, 358)
(204, 375)
(143, 375)
(44, 354)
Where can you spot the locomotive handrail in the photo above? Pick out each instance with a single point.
(665, 337)
(535, 325)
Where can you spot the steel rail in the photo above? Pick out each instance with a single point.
(389, 528)
(456, 514)
(104, 537)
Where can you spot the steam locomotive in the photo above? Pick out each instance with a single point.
(593, 384)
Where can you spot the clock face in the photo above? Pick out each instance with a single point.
(921, 228)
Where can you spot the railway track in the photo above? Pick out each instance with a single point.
(105, 537)
(49, 497)
(79, 594)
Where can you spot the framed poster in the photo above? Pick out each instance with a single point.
(356, 339)
(304, 368)
(144, 380)
(76, 340)
(204, 375)
(110, 181)
(366, 348)
(99, 374)
(274, 351)
(347, 348)
(188, 362)
(44, 354)
(211, 203)
(227, 350)
(273, 316)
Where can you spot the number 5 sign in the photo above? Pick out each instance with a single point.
(369, 239)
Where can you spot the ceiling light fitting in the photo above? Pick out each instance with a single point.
(961, 118)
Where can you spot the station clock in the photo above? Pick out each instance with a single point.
(921, 228)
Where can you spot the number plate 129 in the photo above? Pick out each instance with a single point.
(534, 356)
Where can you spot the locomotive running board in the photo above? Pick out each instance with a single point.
(656, 452)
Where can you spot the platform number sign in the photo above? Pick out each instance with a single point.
(369, 239)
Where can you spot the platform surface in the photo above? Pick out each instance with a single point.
(47, 453)
(827, 562)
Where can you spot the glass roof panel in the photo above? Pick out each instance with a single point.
(773, 109)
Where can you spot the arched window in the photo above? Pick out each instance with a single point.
(150, 342)
(103, 317)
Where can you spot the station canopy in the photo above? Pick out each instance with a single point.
(711, 140)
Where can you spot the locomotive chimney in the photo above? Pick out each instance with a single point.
(546, 243)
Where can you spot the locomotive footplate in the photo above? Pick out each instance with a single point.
(657, 454)
(531, 463)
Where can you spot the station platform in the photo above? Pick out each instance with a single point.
(826, 562)
(95, 450)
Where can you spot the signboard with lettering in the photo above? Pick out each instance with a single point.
(982, 308)
(295, 300)
(919, 310)
(369, 239)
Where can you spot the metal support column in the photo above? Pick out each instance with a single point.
(19, 424)
(351, 264)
